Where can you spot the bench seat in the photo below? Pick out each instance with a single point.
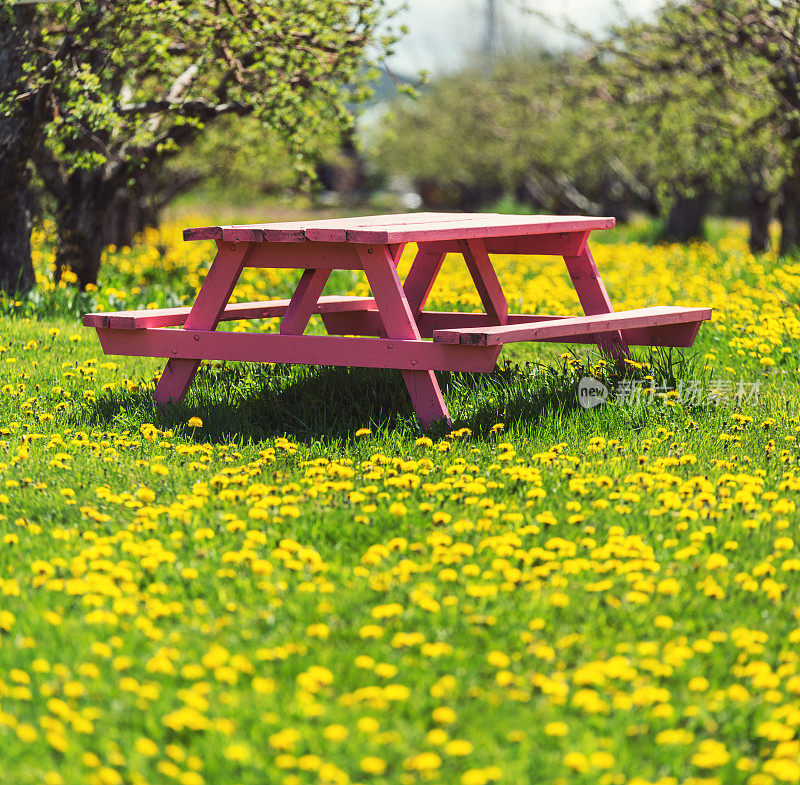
(347, 315)
(175, 317)
(660, 325)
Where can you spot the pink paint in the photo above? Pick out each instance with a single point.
(421, 277)
(304, 301)
(390, 329)
(411, 356)
(565, 329)
(485, 279)
(174, 317)
(413, 227)
(205, 314)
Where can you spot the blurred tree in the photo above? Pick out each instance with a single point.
(747, 53)
(17, 141)
(519, 130)
(123, 87)
(444, 142)
(240, 157)
(548, 130)
(635, 120)
(691, 137)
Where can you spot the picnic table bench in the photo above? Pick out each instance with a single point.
(390, 329)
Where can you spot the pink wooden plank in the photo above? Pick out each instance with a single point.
(203, 233)
(214, 294)
(557, 244)
(217, 286)
(409, 355)
(287, 231)
(594, 299)
(420, 278)
(156, 317)
(485, 279)
(588, 284)
(320, 232)
(579, 325)
(337, 231)
(397, 228)
(254, 233)
(304, 301)
(323, 230)
(396, 250)
(366, 322)
(675, 335)
(329, 256)
(330, 229)
(172, 317)
(491, 226)
(378, 264)
(398, 322)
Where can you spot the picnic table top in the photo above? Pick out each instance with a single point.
(400, 228)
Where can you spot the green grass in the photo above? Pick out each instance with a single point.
(232, 602)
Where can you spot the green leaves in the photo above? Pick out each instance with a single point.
(695, 101)
(184, 64)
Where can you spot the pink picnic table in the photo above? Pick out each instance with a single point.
(390, 329)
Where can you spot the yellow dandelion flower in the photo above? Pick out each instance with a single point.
(146, 747)
(372, 765)
(458, 747)
(237, 752)
(444, 715)
(335, 732)
(576, 761)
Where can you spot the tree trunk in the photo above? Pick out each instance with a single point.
(94, 210)
(760, 214)
(128, 214)
(80, 220)
(136, 206)
(790, 206)
(17, 141)
(16, 266)
(614, 199)
(685, 220)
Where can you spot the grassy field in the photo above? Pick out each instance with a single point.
(283, 580)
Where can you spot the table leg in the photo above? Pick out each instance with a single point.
(485, 278)
(420, 278)
(398, 321)
(206, 311)
(594, 300)
(428, 263)
(304, 300)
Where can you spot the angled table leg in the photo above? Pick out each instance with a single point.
(428, 263)
(420, 278)
(594, 299)
(304, 300)
(399, 322)
(485, 278)
(212, 298)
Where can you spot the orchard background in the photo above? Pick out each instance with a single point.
(284, 579)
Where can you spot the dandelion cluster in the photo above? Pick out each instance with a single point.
(594, 598)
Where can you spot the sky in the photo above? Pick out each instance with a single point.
(443, 33)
